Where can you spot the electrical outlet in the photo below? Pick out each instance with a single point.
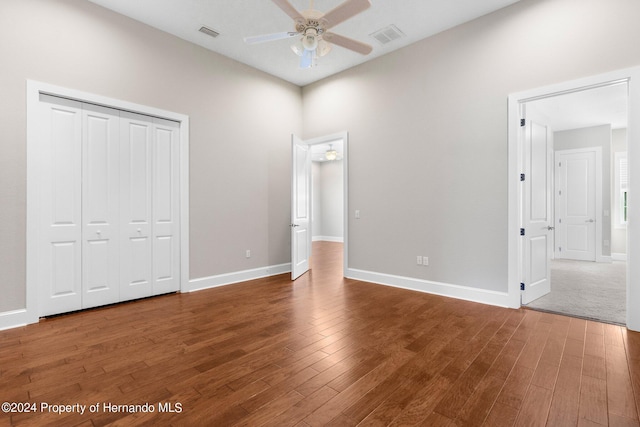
(419, 260)
(425, 260)
(248, 253)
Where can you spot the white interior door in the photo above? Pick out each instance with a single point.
(300, 207)
(100, 205)
(166, 213)
(536, 222)
(136, 176)
(576, 204)
(59, 263)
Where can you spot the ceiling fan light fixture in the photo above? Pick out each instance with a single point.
(307, 57)
(312, 26)
(297, 48)
(310, 39)
(331, 154)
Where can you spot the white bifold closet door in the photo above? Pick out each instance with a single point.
(110, 212)
(100, 199)
(149, 262)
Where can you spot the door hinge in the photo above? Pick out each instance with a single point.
(522, 286)
(559, 248)
(522, 231)
(522, 122)
(521, 177)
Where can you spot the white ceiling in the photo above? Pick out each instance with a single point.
(586, 108)
(237, 19)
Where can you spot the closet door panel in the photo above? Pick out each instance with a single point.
(166, 254)
(136, 133)
(59, 249)
(100, 206)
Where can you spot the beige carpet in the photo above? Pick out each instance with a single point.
(586, 289)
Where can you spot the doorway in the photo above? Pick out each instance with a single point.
(584, 122)
(319, 187)
(327, 191)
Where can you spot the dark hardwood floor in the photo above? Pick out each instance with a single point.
(319, 351)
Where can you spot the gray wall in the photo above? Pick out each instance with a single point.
(428, 131)
(328, 200)
(618, 235)
(596, 136)
(239, 173)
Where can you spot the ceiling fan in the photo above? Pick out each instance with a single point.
(312, 26)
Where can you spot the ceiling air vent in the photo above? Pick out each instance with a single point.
(387, 34)
(209, 32)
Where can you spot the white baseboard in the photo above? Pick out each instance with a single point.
(14, 319)
(328, 239)
(22, 317)
(236, 277)
(618, 257)
(466, 293)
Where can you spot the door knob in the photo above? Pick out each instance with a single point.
(98, 232)
(139, 230)
(294, 225)
(550, 228)
(590, 220)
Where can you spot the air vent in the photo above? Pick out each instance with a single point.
(388, 34)
(209, 32)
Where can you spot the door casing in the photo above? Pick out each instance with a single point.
(344, 136)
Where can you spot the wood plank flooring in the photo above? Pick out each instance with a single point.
(320, 351)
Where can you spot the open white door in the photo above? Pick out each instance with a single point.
(536, 211)
(300, 207)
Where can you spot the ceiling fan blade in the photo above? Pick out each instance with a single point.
(348, 43)
(345, 11)
(289, 10)
(306, 59)
(270, 37)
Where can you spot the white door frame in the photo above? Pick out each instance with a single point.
(344, 135)
(514, 259)
(34, 89)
